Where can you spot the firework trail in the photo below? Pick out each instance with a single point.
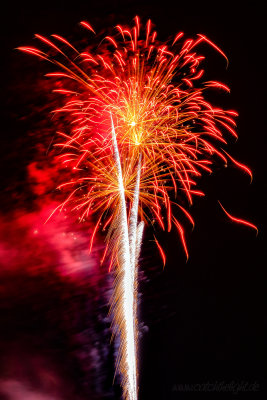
(127, 265)
(138, 133)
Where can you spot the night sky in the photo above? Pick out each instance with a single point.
(201, 321)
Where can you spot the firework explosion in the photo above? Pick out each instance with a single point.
(139, 134)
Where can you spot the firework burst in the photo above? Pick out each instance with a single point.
(140, 133)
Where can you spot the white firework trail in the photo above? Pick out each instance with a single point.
(139, 237)
(134, 217)
(135, 239)
(128, 285)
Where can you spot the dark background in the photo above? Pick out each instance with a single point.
(201, 321)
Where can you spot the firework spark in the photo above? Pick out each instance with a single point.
(139, 134)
